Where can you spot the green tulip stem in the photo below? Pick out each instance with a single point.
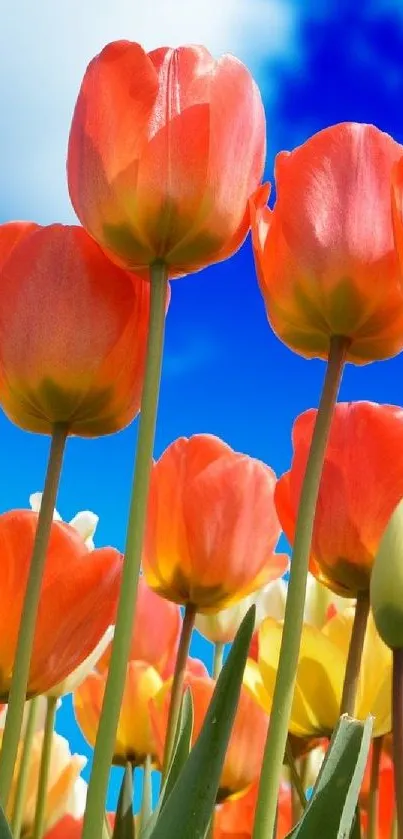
(23, 774)
(218, 659)
(373, 812)
(397, 735)
(177, 685)
(294, 611)
(103, 752)
(40, 810)
(147, 795)
(295, 776)
(354, 657)
(19, 681)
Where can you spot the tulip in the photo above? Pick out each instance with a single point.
(134, 737)
(234, 819)
(385, 796)
(12, 233)
(68, 628)
(155, 633)
(325, 256)
(67, 828)
(73, 330)
(85, 522)
(211, 525)
(245, 749)
(362, 481)
(320, 676)
(165, 150)
(66, 790)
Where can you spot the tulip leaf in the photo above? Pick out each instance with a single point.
(331, 810)
(5, 832)
(180, 754)
(356, 828)
(189, 806)
(124, 820)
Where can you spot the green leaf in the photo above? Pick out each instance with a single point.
(180, 754)
(331, 810)
(124, 820)
(5, 832)
(356, 828)
(188, 809)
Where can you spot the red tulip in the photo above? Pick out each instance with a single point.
(362, 482)
(68, 626)
(165, 150)
(235, 818)
(67, 828)
(325, 255)
(73, 330)
(211, 526)
(12, 233)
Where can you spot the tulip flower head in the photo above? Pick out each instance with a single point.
(245, 749)
(165, 150)
(234, 818)
(66, 789)
(68, 628)
(73, 331)
(211, 525)
(320, 676)
(134, 737)
(325, 256)
(362, 481)
(156, 632)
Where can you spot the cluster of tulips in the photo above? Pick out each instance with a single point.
(298, 731)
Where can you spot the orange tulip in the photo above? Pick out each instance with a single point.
(245, 749)
(12, 233)
(68, 626)
(67, 828)
(211, 526)
(386, 796)
(325, 256)
(156, 632)
(73, 330)
(362, 481)
(234, 819)
(165, 150)
(134, 737)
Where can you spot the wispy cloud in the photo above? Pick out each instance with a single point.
(45, 47)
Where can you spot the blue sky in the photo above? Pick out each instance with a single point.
(224, 370)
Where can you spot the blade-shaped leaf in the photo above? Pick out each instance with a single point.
(356, 828)
(188, 809)
(331, 810)
(5, 832)
(124, 820)
(180, 754)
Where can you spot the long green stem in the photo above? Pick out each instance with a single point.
(218, 659)
(147, 795)
(23, 774)
(295, 777)
(39, 822)
(373, 809)
(128, 593)
(397, 729)
(177, 685)
(354, 657)
(19, 682)
(294, 611)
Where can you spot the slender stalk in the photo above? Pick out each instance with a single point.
(295, 776)
(128, 593)
(19, 682)
(294, 611)
(373, 809)
(177, 685)
(23, 775)
(147, 795)
(397, 729)
(393, 832)
(354, 657)
(39, 822)
(218, 659)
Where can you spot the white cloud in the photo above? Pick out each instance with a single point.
(46, 45)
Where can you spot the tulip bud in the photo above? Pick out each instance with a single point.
(387, 582)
